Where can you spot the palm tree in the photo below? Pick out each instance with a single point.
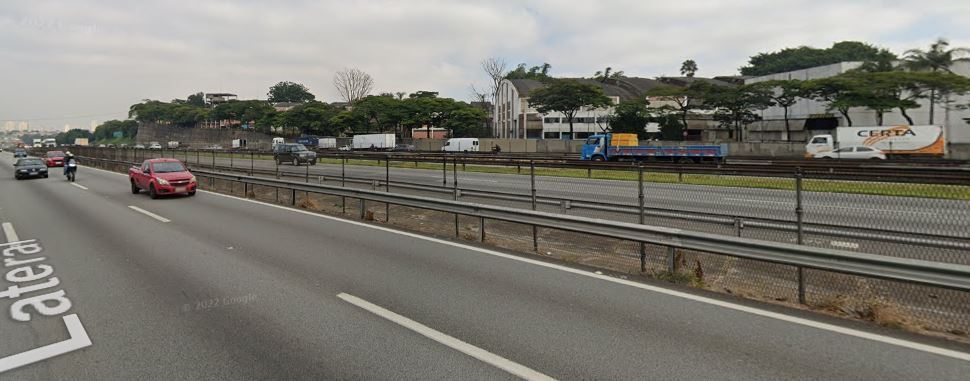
(937, 59)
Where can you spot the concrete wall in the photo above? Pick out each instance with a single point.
(200, 137)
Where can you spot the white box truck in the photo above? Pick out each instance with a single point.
(374, 141)
(83, 142)
(891, 140)
(327, 143)
(461, 145)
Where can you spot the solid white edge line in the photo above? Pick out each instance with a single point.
(80, 186)
(150, 214)
(78, 339)
(737, 307)
(9, 232)
(447, 340)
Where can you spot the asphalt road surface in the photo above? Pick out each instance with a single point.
(213, 287)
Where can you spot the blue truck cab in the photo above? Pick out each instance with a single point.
(600, 148)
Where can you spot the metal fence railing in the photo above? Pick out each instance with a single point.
(609, 219)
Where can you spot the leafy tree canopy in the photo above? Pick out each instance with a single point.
(804, 57)
(539, 73)
(289, 92)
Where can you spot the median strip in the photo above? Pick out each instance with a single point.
(150, 214)
(461, 346)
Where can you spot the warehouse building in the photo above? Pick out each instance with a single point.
(515, 118)
(809, 117)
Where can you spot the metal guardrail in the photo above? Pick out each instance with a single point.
(949, 276)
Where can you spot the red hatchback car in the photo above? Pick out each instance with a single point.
(54, 159)
(162, 177)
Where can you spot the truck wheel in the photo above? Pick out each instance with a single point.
(598, 158)
(151, 192)
(134, 188)
(279, 162)
(313, 162)
(296, 161)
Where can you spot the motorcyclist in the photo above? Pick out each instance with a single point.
(70, 163)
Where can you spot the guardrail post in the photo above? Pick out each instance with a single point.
(306, 175)
(481, 229)
(362, 208)
(454, 173)
(293, 196)
(245, 189)
(799, 215)
(640, 200)
(532, 179)
(671, 259)
(444, 171)
(252, 163)
(230, 158)
(343, 182)
(213, 159)
(738, 226)
(387, 187)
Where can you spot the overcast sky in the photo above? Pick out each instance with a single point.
(75, 61)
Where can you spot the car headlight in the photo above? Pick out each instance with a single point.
(43, 169)
(21, 170)
(192, 179)
(162, 181)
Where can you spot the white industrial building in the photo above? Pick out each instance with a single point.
(809, 117)
(514, 118)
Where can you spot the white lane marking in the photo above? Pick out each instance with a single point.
(79, 339)
(150, 214)
(80, 186)
(9, 232)
(461, 346)
(737, 307)
(845, 244)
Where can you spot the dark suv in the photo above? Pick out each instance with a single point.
(294, 153)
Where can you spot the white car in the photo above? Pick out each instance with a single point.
(139, 146)
(852, 152)
(344, 148)
(155, 146)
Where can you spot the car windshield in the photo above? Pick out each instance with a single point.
(55, 154)
(168, 167)
(28, 162)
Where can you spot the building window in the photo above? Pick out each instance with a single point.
(582, 135)
(550, 120)
(550, 135)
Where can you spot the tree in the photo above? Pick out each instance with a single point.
(539, 73)
(179, 114)
(107, 130)
(630, 116)
(197, 100)
(247, 111)
(785, 94)
(804, 57)
(840, 92)
(735, 106)
(311, 118)
(567, 97)
(688, 68)
(936, 59)
(607, 74)
(495, 69)
(69, 136)
(289, 92)
(680, 100)
(352, 84)
(381, 113)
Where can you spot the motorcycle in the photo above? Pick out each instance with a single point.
(70, 170)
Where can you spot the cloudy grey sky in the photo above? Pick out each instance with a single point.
(75, 61)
